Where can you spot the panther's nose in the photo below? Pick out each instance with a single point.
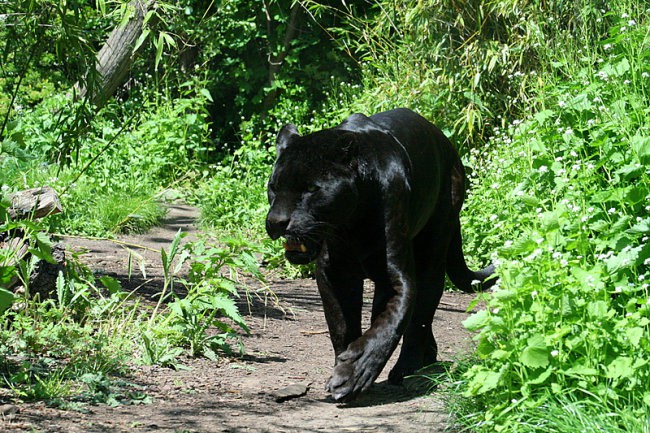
(277, 223)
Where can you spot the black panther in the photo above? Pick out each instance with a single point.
(375, 197)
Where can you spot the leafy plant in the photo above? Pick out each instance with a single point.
(571, 315)
(203, 319)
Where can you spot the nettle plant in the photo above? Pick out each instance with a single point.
(570, 188)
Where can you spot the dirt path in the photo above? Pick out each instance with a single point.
(287, 345)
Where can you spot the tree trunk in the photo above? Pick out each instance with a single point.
(116, 57)
(275, 61)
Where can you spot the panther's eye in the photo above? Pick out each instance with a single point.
(271, 186)
(312, 188)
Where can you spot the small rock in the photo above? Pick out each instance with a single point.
(8, 409)
(292, 391)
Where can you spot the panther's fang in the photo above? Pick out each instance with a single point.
(294, 246)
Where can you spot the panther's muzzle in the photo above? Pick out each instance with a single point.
(300, 252)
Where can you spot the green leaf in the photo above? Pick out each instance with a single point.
(541, 378)
(159, 50)
(111, 284)
(536, 354)
(641, 146)
(476, 321)
(6, 299)
(482, 381)
(634, 335)
(581, 370)
(597, 309)
(620, 367)
(640, 227)
(227, 305)
(542, 116)
(206, 94)
(143, 36)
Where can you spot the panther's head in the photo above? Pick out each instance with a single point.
(312, 190)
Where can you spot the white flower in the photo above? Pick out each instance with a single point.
(554, 353)
(631, 23)
(562, 104)
(533, 294)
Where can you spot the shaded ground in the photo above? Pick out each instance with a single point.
(288, 345)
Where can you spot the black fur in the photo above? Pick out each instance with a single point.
(375, 197)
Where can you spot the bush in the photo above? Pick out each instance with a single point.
(562, 197)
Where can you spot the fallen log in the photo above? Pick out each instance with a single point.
(34, 203)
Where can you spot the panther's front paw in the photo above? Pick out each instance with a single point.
(354, 372)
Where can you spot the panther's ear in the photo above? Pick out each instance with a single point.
(285, 136)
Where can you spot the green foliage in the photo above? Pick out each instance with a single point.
(126, 159)
(74, 347)
(46, 45)
(47, 345)
(203, 318)
(562, 196)
(258, 54)
(470, 67)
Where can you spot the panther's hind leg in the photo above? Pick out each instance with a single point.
(419, 347)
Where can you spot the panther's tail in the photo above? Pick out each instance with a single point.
(465, 279)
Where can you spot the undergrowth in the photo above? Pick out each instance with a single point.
(562, 198)
(77, 346)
